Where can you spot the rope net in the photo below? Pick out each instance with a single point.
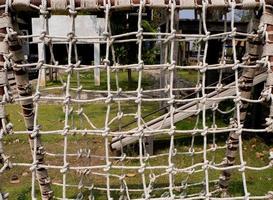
(89, 169)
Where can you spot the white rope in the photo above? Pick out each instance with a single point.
(110, 174)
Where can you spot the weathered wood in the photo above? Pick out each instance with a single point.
(3, 157)
(254, 50)
(24, 90)
(121, 4)
(192, 106)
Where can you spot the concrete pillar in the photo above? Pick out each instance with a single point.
(96, 63)
(42, 56)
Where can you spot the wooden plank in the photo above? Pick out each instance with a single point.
(156, 123)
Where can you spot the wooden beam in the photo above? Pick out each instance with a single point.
(156, 123)
(96, 5)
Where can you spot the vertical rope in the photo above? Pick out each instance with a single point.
(160, 176)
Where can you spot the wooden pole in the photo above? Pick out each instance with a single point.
(24, 90)
(3, 81)
(254, 49)
(123, 5)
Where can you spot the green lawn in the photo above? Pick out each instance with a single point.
(188, 75)
(87, 80)
(51, 117)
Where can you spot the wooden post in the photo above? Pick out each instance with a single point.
(162, 72)
(176, 47)
(246, 82)
(24, 90)
(149, 145)
(183, 53)
(3, 80)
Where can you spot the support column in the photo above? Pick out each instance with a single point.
(25, 90)
(5, 22)
(254, 51)
(96, 63)
(267, 19)
(41, 54)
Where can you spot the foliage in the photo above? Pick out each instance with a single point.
(126, 52)
(150, 55)
(121, 54)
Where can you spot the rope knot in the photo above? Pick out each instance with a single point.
(109, 99)
(107, 167)
(237, 99)
(239, 131)
(271, 156)
(140, 65)
(174, 152)
(236, 65)
(72, 11)
(142, 168)
(214, 107)
(71, 38)
(205, 131)
(207, 37)
(139, 34)
(79, 89)
(171, 100)
(42, 35)
(37, 96)
(66, 130)
(191, 151)
(204, 67)
(269, 124)
(122, 157)
(270, 195)
(9, 128)
(172, 66)
(35, 131)
(172, 131)
(65, 168)
(170, 169)
(69, 68)
(242, 167)
(106, 132)
(266, 94)
(140, 132)
(106, 62)
(106, 34)
(139, 97)
(264, 63)
(233, 32)
(34, 166)
(233, 123)
(40, 64)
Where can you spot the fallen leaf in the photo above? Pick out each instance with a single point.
(14, 179)
(259, 155)
(130, 175)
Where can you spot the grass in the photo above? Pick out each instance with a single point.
(51, 117)
(188, 75)
(88, 83)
